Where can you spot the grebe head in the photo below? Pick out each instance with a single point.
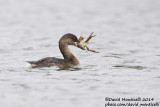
(69, 39)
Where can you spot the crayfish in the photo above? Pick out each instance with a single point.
(83, 45)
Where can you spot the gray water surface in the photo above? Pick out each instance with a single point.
(128, 39)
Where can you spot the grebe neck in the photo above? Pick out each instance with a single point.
(68, 56)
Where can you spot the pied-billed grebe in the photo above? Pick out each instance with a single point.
(69, 59)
